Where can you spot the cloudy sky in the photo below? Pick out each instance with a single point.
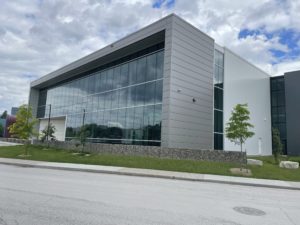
(39, 36)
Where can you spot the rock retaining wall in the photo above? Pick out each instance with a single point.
(150, 151)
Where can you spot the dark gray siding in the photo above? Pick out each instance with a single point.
(292, 97)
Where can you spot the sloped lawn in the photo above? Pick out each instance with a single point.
(269, 171)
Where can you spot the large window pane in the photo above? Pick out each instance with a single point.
(157, 123)
(148, 122)
(106, 120)
(110, 79)
(218, 98)
(122, 121)
(124, 75)
(114, 99)
(91, 84)
(151, 67)
(138, 123)
(132, 72)
(218, 141)
(141, 70)
(128, 113)
(160, 63)
(131, 96)
(108, 97)
(117, 77)
(89, 104)
(129, 123)
(101, 101)
(98, 82)
(123, 97)
(103, 81)
(158, 91)
(150, 94)
(218, 121)
(95, 102)
(140, 95)
(100, 128)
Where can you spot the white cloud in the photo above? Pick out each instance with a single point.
(286, 66)
(37, 37)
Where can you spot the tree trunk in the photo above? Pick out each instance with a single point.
(26, 148)
(241, 155)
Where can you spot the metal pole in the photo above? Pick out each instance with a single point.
(27, 121)
(48, 128)
(83, 117)
(83, 130)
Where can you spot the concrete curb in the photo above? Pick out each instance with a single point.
(154, 174)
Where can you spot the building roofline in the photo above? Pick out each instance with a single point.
(186, 22)
(96, 54)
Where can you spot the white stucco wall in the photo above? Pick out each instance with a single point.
(60, 126)
(245, 83)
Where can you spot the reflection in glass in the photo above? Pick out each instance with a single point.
(278, 108)
(122, 103)
(218, 99)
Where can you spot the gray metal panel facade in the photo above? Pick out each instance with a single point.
(188, 67)
(292, 94)
(188, 76)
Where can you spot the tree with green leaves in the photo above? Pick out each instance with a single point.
(277, 145)
(82, 136)
(1, 130)
(24, 126)
(83, 133)
(4, 115)
(48, 132)
(237, 129)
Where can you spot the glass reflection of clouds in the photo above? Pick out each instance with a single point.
(122, 102)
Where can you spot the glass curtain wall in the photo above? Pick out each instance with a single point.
(123, 103)
(278, 108)
(218, 99)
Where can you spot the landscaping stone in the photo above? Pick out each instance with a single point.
(152, 151)
(289, 165)
(241, 172)
(255, 162)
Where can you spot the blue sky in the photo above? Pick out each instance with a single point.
(287, 37)
(163, 3)
(40, 36)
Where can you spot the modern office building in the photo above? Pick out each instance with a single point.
(14, 111)
(168, 84)
(5, 123)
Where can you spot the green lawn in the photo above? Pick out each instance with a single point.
(268, 171)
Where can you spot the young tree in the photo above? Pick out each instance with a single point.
(277, 145)
(1, 130)
(82, 136)
(24, 126)
(4, 115)
(83, 133)
(48, 132)
(237, 129)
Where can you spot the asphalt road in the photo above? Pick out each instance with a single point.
(32, 196)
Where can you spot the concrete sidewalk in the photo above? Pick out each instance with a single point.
(2, 143)
(154, 173)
